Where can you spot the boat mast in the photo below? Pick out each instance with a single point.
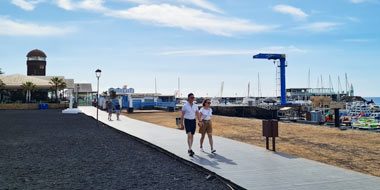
(249, 86)
(322, 85)
(308, 80)
(155, 86)
(331, 86)
(339, 88)
(179, 85)
(347, 90)
(221, 89)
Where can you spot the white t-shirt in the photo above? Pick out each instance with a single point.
(190, 110)
(206, 114)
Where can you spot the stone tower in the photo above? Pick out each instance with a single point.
(36, 62)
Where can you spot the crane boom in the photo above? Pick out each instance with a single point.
(282, 58)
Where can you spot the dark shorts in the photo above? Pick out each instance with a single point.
(190, 126)
(110, 111)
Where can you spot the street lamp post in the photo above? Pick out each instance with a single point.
(97, 72)
(76, 97)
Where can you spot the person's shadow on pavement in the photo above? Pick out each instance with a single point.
(220, 158)
(204, 161)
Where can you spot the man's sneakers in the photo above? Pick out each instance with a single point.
(201, 149)
(191, 153)
(213, 150)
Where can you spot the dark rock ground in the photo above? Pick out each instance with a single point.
(44, 149)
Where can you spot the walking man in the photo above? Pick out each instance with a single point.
(189, 112)
(110, 109)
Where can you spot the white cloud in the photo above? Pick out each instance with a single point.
(15, 28)
(293, 11)
(208, 52)
(189, 19)
(319, 26)
(199, 3)
(65, 4)
(26, 5)
(169, 15)
(94, 5)
(203, 4)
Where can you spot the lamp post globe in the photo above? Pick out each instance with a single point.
(98, 72)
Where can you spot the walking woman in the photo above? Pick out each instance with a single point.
(189, 112)
(206, 113)
(117, 108)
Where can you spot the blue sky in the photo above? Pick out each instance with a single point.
(204, 42)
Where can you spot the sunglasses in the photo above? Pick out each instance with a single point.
(208, 102)
(191, 98)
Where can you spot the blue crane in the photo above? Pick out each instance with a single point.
(282, 58)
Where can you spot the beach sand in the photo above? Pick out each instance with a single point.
(350, 149)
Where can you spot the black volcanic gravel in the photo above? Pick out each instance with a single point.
(44, 149)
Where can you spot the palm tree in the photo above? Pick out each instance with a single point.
(62, 86)
(55, 83)
(28, 87)
(113, 94)
(2, 85)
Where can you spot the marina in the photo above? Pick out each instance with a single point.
(189, 94)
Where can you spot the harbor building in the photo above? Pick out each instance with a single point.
(122, 91)
(84, 93)
(40, 88)
(306, 93)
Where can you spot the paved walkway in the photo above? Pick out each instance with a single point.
(248, 166)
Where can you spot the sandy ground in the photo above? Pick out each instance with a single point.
(350, 149)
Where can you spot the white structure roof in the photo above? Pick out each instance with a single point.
(41, 82)
(16, 80)
(83, 87)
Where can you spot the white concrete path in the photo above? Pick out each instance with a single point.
(248, 166)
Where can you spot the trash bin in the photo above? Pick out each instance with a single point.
(270, 128)
(40, 106)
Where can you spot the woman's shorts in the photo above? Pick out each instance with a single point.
(118, 112)
(190, 125)
(206, 128)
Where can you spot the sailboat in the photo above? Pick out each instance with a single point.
(248, 100)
